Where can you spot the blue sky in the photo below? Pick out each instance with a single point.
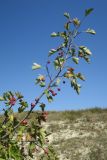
(25, 28)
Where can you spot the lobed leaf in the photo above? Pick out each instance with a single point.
(50, 99)
(75, 59)
(52, 51)
(54, 34)
(36, 66)
(80, 76)
(67, 15)
(67, 26)
(90, 31)
(42, 84)
(88, 11)
(58, 62)
(75, 86)
(76, 21)
(2, 99)
(85, 50)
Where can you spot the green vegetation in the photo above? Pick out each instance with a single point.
(23, 135)
(80, 134)
(67, 115)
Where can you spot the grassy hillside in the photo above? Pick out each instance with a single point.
(78, 135)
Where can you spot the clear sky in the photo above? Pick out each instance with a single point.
(25, 27)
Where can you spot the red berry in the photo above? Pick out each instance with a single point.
(54, 94)
(80, 54)
(48, 62)
(51, 91)
(45, 118)
(24, 122)
(63, 82)
(45, 113)
(46, 151)
(20, 100)
(59, 89)
(32, 105)
(70, 69)
(61, 54)
(12, 101)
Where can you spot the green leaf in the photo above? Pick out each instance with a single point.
(42, 134)
(73, 82)
(85, 50)
(90, 31)
(11, 93)
(14, 152)
(78, 87)
(31, 147)
(88, 11)
(80, 76)
(63, 34)
(52, 51)
(26, 104)
(2, 99)
(23, 103)
(75, 59)
(46, 92)
(58, 62)
(50, 99)
(42, 105)
(67, 15)
(37, 81)
(42, 84)
(72, 52)
(6, 113)
(67, 26)
(58, 81)
(87, 59)
(19, 95)
(23, 106)
(36, 66)
(76, 21)
(5, 96)
(54, 34)
(21, 109)
(75, 86)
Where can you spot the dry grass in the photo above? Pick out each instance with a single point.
(77, 135)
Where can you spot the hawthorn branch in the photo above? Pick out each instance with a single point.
(30, 111)
(48, 86)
